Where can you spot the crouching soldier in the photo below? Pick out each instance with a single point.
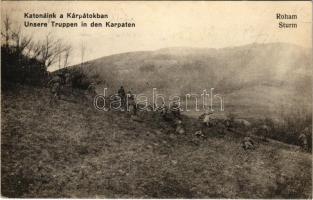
(206, 120)
(247, 143)
(199, 134)
(179, 127)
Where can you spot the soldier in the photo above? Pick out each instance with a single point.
(164, 110)
(122, 95)
(247, 143)
(303, 139)
(199, 134)
(265, 131)
(90, 93)
(68, 81)
(131, 103)
(179, 127)
(206, 119)
(92, 89)
(228, 124)
(55, 86)
(130, 95)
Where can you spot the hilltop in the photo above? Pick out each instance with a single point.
(262, 78)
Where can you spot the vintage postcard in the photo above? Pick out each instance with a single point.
(160, 99)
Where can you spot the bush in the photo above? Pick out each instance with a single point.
(17, 68)
(79, 79)
(291, 125)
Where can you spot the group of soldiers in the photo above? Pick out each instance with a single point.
(63, 81)
(128, 103)
(173, 114)
(263, 131)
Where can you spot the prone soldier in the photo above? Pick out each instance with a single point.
(247, 143)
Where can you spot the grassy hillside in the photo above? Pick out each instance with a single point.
(256, 76)
(72, 150)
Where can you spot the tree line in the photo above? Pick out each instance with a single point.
(26, 59)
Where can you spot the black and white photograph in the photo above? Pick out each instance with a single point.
(156, 99)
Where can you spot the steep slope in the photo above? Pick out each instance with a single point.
(72, 150)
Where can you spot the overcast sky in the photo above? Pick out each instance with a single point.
(170, 24)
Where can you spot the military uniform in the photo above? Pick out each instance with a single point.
(179, 127)
(131, 103)
(206, 119)
(68, 81)
(247, 143)
(92, 89)
(303, 140)
(55, 86)
(122, 95)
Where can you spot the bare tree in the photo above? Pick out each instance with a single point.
(5, 32)
(64, 55)
(83, 51)
(13, 35)
(67, 53)
(51, 49)
(33, 50)
(47, 51)
(58, 48)
(21, 42)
